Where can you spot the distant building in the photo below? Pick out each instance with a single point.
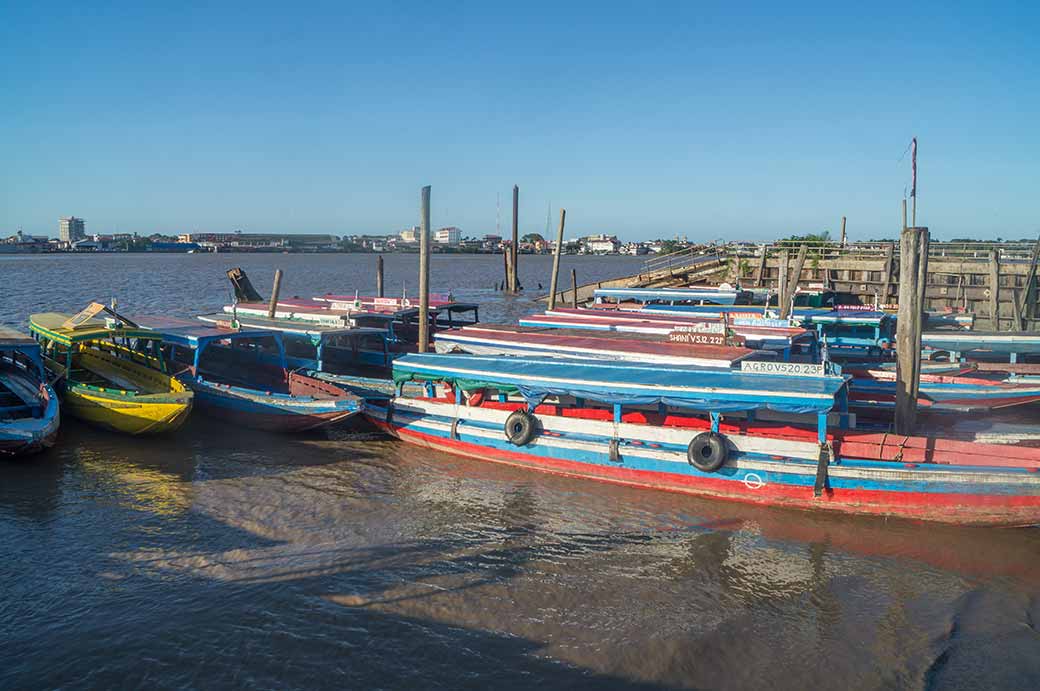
(164, 246)
(23, 242)
(71, 229)
(410, 235)
(601, 244)
(448, 236)
(254, 242)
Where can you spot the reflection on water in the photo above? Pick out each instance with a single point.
(224, 558)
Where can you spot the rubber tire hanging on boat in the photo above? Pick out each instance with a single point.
(521, 427)
(707, 452)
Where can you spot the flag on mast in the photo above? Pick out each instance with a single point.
(913, 167)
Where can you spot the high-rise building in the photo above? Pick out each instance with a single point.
(448, 236)
(71, 229)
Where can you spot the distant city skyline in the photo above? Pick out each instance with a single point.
(744, 122)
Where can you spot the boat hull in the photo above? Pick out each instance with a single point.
(763, 470)
(127, 414)
(26, 436)
(271, 412)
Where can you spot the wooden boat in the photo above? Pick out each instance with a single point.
(986, 345)
(29, 414)
(706, 348)
(313, 346)
(339, 310)
(872, 391)
(969, 392)
(109, 372)
(449, 313)
(704, 432)
(356, 359)
(758, 333)
(694, 295)
(240, 375)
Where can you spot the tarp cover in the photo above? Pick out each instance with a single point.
(627, 383)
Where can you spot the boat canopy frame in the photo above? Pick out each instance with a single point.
(622, 384)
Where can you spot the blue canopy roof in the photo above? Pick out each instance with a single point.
(193, 333)
(629, 383)
(314, 330)
(847, 317)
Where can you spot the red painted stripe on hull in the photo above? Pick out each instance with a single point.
(961, 509)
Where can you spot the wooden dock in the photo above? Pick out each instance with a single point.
(995, 281)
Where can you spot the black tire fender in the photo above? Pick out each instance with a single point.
(521, 427)
(707, 452)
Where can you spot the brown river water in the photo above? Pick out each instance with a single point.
(221, 558)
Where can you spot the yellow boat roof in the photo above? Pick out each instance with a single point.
(50, 326)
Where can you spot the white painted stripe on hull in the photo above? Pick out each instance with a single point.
(804, 455)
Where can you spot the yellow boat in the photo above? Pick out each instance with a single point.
(111, 373)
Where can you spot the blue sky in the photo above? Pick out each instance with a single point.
(714, 120)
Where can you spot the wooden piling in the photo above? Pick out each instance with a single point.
(886, 277)
(994, 289)
(574, 291)
(275, 290)
(761, 267)
(1028, 309)
(908, 328)
(379, 276)
(506, 280)
(922, 286)
(844, 238)
(792, 283)
(781, 281)
(556, 260)
(515, 282)
(424, 269)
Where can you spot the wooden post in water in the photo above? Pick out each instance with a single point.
(761, 267)
(796, 277)
(379, 276)
(886, 276)
(277, 288)
(843, 236)
(514, 282)
(781, 281)
(994, 289)
(424, 270)
(505, 268)
(922, 294)
(574, 284)
(1028, 310)
(556, 260)
(908, 329)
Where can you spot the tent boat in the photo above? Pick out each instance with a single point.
(29, 415)
(109, 372)
(240, 375)
(704, 432)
